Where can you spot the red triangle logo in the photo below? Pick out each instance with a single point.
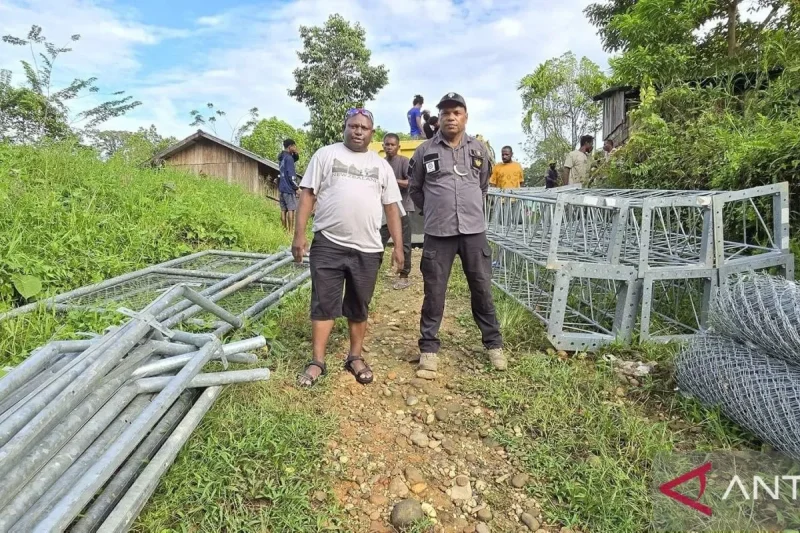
(699, 472)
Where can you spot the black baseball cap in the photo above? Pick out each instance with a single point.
(452, 98)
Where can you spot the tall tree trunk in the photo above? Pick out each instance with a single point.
(733, 11)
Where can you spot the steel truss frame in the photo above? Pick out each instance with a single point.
(678, 245)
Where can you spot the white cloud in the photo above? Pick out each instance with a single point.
(210, 21)
(480, 48)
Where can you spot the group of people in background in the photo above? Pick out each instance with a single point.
(422, 125)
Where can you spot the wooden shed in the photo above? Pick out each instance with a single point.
(617, 102)
(204, 154)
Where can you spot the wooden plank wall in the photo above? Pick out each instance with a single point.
(614, 115)
(220, 162)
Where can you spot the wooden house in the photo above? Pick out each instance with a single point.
(204, 154)
(617, 102)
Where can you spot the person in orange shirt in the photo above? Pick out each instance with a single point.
(508, 174)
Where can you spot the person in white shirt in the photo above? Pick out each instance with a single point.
(351, 187)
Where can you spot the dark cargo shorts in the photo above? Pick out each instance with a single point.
(342, 280)
(288, 201)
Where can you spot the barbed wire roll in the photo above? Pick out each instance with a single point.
(761, 310)
(758, 392)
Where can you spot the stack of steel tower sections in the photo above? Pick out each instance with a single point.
(605, 265)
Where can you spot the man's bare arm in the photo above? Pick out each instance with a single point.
(393, 221)
(402, 184)
(306, 205)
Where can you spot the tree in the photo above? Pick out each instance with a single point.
(558, 106)
(667, 40)
(26, 116)
(40, 110)
(267, 139)
(132, 147)
(336, 75)
(237, 131)
(380, 133)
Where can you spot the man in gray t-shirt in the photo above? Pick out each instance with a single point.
(399, 164)
(350, 187)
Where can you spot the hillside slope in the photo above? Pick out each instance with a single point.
(68, 219)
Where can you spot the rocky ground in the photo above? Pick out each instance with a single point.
(423, 444)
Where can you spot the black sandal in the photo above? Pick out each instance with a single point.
(306, 380)
(348, 365)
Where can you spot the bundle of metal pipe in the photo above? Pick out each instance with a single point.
(88, 427)
(600, 265)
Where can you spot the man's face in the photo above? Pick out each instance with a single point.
(453, 120)
(358, 133)
(506, 155)
(553, 166)
(293, 149)
(390, 146)
(607, 146)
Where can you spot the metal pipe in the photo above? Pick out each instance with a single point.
(166, 365)
(80, 387)
(23, 411)
(210, 275)
(82, 291)
(58, 436)
(263, 304)
(232, 351)
(60, 474)
(193, 310)
(126, 511)
(177, 308)
(97, 512)
(212, 379)
(23, 391)
(85, 488)
(211, 307)
(30, 367)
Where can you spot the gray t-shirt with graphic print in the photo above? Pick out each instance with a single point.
(351, 190)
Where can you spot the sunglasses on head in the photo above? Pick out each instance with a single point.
(359, 111)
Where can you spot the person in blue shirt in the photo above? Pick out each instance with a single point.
(287, 184)
(414, 115)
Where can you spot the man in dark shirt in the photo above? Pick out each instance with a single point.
(551, 180)
(399, 163)
(287, 183)
(431, 127)
(449, 181)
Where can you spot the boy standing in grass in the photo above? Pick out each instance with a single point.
(351, 187)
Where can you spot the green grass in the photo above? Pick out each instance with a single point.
(68, 220)
(588, 449)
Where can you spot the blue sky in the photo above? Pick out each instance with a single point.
(176, 55)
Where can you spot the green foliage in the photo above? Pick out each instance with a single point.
(131, 147)
(267, 139)
(665, 41)
(558, 107)
(68, 219)
(42, 111)
(26, 115)
(380, 133)
(336, 75)
(237, 130)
